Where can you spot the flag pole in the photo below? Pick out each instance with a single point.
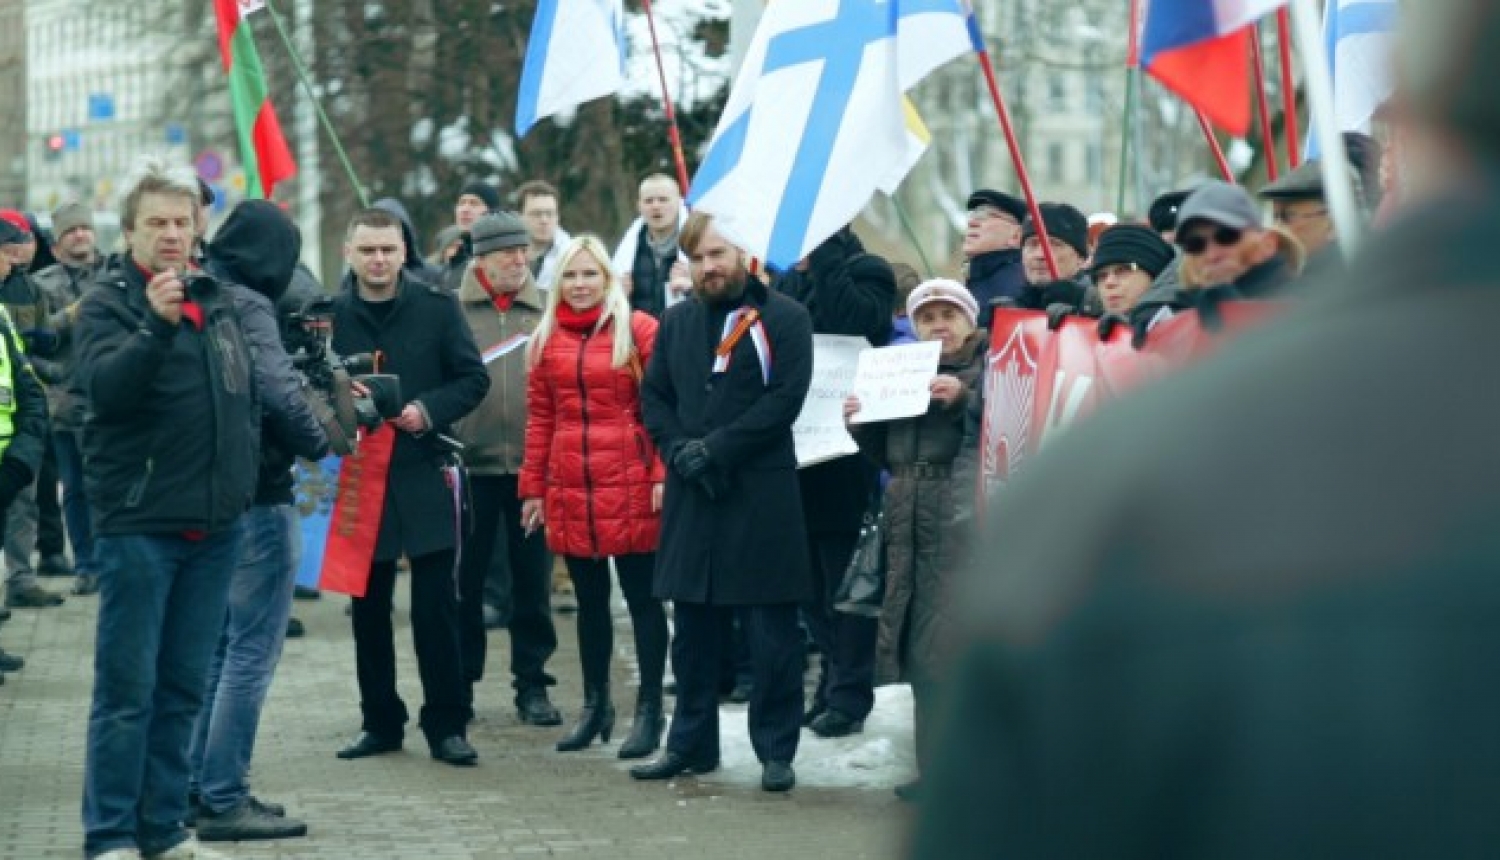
(338, 146)
(1335, 160)
(1013, 144)
(911, 234)
(666, 96)
(1263, 103)
(1214, 147)
(1288, 88)
(1132, 85)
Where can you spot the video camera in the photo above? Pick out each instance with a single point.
(307, 335)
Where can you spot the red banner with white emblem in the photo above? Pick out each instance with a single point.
(1038, 381)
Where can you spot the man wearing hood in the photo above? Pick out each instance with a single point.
(992, 246)
(254, 253)
(171, 437)
(418, 329)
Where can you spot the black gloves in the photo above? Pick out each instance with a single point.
(14, 477)
(1058, 313)
(690, 459)
(1108, 323)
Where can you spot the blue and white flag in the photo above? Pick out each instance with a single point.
(816, 122)
(1358, 36)
(576, 54)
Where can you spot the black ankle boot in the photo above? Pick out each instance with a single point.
(645, 732)
(597, 718)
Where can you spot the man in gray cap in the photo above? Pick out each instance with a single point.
(63, 284)
(503, 306)
(1269, 630)
(1301, 205)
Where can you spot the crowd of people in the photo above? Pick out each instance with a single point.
(629, 410)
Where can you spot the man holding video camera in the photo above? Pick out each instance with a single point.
(418, 334)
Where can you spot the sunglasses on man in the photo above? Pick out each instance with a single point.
(1224, 237)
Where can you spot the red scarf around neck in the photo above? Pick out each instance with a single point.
(502, 301)
(579, 321)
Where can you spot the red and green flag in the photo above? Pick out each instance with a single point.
(263, 149)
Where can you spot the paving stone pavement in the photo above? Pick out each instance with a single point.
(523, 800)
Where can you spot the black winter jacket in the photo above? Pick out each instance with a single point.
(846, 292)
(256, 249)
(172, 432)
(425, 342)
(995, 275)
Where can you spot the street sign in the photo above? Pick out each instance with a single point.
(209, 165)
(72, 140)
(101, 107)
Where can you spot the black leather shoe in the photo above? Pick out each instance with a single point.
(10, 662)
(32, 597)
(777, 776)
(456, 751)
(294, 628)
(835, 724)
(302, 592)
(672, 764)
(368, 744)
(535, 709)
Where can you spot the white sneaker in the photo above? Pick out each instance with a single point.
(119, 854)
(190, 849)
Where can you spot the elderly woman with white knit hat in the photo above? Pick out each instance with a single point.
(919, 453)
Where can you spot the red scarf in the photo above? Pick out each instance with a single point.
(502, 301)
(191, 310)
(579, 321)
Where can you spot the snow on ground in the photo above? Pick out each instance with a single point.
(880, 757)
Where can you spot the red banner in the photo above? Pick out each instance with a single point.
(355, 524)
(1038, 381)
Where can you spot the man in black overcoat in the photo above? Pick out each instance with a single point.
(420, 333)
(723, 388)
(1251, 612)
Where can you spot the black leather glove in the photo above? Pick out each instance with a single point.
(1108, 323)
(1058, 313)
(14, 477)
(691, 459)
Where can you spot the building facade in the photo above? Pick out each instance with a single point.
(13, 102)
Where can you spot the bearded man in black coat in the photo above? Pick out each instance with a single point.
(724, 386)
(1270, 629)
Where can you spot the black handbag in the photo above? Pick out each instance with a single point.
(863, 589)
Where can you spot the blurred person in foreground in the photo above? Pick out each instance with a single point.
(1268, 631)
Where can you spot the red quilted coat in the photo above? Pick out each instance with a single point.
(587, 456)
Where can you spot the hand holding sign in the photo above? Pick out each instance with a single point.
(895, 381)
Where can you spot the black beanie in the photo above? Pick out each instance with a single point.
(1064, 223)
(1132, 243)
(484, 191)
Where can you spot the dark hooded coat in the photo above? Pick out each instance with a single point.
(255, 252)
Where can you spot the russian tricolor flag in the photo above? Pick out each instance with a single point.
(1200, 50)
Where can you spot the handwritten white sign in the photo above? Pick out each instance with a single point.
(892, 382)
(819, 433)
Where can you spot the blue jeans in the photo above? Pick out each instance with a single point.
(161, 608)
(260, 601)
(75, 505)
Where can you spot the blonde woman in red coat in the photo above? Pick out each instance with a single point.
(592, 477)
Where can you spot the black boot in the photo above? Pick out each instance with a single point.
(645, 732)
(597, 718)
